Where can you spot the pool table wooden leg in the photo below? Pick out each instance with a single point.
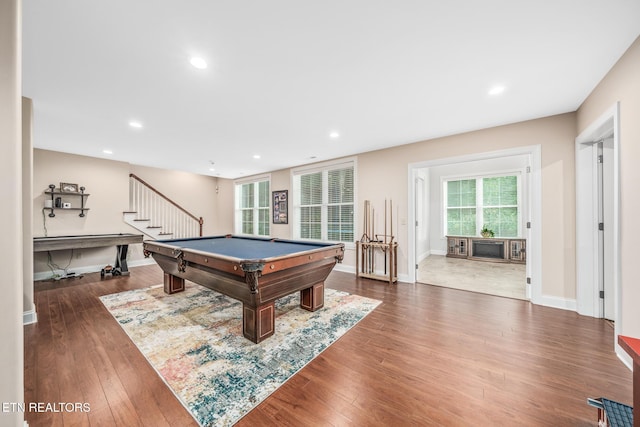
(312, 298)
(173, 284)
(258, 323)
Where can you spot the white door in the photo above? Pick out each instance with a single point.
(419, 216)
(605, 236)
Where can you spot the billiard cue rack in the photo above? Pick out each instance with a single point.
(372, 245)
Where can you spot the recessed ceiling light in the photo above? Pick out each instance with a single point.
(496, 90)
(256, 156)
(135, 124)
(107, 151)
(198, 62)
(212, 169)
(334, 135)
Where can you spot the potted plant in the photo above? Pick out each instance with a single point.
(486, 232)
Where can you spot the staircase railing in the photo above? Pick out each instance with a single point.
(150, 204)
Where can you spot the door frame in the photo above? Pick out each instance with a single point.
(534, 211)
(587, 266)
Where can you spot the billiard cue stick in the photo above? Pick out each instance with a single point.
(385, 221)
(391, 222)
(366, 256)
(364, 233)
(384, 248)
(366, 220)
(365, 237)
(373, 238)
(373, 218)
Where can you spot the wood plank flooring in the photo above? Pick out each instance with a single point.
(426, 356)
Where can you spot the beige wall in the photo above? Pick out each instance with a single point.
(107, 183)
(11, 303)
(225, 208)
(622, 84)
(281, 180)
(383, 174)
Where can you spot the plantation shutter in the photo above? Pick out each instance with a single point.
(311, 206)
(340, 205)
(324, 203)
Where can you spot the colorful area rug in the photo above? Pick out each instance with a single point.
(194, 341)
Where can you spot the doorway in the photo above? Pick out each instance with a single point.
(605, 219)
(427, 239)
(597, 219)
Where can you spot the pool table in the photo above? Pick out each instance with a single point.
(256, 271)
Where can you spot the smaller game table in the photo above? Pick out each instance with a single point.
(121, 241)
(256, 271)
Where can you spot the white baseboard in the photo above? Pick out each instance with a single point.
(351, 269)
(29, 317)
(140, 262)
(557, 302)
(438, 252)
(345, 268)
(404, 278)
(45, 275)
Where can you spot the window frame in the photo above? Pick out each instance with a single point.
(256, 209)
(295, 197)
(479, 207)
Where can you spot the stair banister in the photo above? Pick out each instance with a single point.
(159, 194)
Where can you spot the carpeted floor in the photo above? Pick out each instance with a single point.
(194, 341)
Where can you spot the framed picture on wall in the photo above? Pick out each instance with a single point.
(280, 207)
(68, 188)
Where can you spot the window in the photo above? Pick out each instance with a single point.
(500, 205)
(494, 202)
(252, 207)
(323, 203)
(461, 207)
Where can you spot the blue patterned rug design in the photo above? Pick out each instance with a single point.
(194, 340)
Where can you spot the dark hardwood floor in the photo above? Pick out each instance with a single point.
(426, 356)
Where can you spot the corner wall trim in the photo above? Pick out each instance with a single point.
(624, 357)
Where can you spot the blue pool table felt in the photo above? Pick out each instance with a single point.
(243, 248)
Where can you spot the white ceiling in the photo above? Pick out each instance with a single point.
(283, 74)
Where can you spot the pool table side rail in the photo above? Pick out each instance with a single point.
(257, 238)
(234, 284)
